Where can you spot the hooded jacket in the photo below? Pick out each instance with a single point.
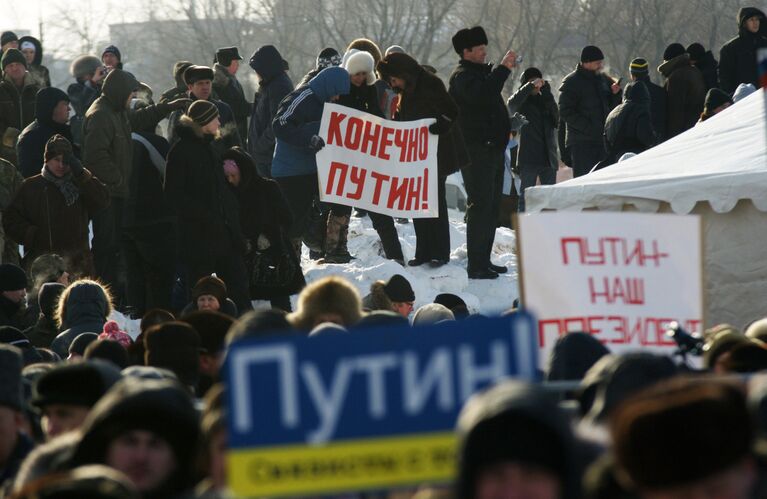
(629, 127)
(427, 97)
(229, 90)
(31, 145)
(200, 196)
(585, 100)
(658, 104)
(85, 311)
(17, 106)
(476, 90)
(40, 219)
(298, 119)
(737, 57)
(107, 145)
(275, 85)
(39, 72)
(538, 138)
(686, 93)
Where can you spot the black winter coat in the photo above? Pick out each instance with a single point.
(264, 211)
(737, 58)
(147, 204)
(538, 138)
(476, 89)
(628, 127)
(275, 85)
(230, 91)
(31, 146)
(686, 93)
(709, 68)
(585, 100)
(195, 186)
(658, 106)
(17, 106)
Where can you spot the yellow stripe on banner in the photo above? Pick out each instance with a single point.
(342, 466)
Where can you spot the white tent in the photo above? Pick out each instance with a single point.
(717, 170)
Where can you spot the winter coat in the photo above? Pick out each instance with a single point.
(737, 58)
(658, 104)
(275, 85)
(85, 311)
(39, 73)
(146, 204)
(476, 89)
(107, 147)
(31, 145)
(17, 107)
(230, 137)
(40, 219)
(363, 98)
(686, 93)
(298, 119)
(709, 68)
(10, 183)
(573, 355)
(585, 100)
(427, 97)
(195, 187)
(42, 334)
(628, 127)
(10, 313)
(264, 212)
(538, 138)
(229, 90)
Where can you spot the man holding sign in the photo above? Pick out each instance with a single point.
(423, 95)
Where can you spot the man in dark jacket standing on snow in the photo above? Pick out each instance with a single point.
(274, 85)
(737, 58)
(640, 71)
(476, 88)
(586, 98)
(51, 118)
(228, 88)
(685, 88)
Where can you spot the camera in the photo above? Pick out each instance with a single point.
(686, 343)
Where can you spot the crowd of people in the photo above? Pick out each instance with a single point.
(190, 226)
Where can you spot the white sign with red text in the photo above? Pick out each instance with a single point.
(623, 277)
(383, 166)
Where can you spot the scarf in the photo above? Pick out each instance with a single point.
(65, 185)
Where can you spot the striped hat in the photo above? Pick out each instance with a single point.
(639, 66)
(202, 112)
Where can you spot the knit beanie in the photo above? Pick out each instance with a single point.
(13, 55)
(680, 432)
(11, 390)
(57, 145)
(454, 302)
(432, 313)
(112, 332)
(210, 285)
(202, 112)
(12, 277)
(174, 346)
(673, 50)
(714, 99)
(75, 383)
(8, 37)
(112, 50)
(591, 53)
(639, 66)
(530, 74)
(398, 289)
(697, 52)
(328, 57)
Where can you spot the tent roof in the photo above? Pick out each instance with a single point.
(720, 161)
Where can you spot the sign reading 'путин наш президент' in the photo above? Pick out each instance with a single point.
(368, 410)
(383, 166)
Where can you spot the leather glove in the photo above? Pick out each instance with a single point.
(75, 166)
(316, 143)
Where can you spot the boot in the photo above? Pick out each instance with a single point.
(335, 239)
(314, 234)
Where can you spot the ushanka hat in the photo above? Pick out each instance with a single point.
(193, 74)
(469, 37)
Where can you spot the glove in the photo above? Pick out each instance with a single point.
(75, 166)
(316, 143)
(434, 129)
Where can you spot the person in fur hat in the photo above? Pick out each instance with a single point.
(175, 346)
(156, 416)
(228, 88)
(685, 438)
(208, 216)
(476, 88)
(395, 295)
(423, 95)
(330, 299)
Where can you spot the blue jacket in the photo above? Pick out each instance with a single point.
(298, 119)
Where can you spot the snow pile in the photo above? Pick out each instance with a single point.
(483, 296)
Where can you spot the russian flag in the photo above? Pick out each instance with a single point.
(761, 57)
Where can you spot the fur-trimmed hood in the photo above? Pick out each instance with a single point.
(38, 48)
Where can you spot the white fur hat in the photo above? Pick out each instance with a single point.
(359, 62)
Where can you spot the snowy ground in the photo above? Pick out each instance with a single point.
(484, 296)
